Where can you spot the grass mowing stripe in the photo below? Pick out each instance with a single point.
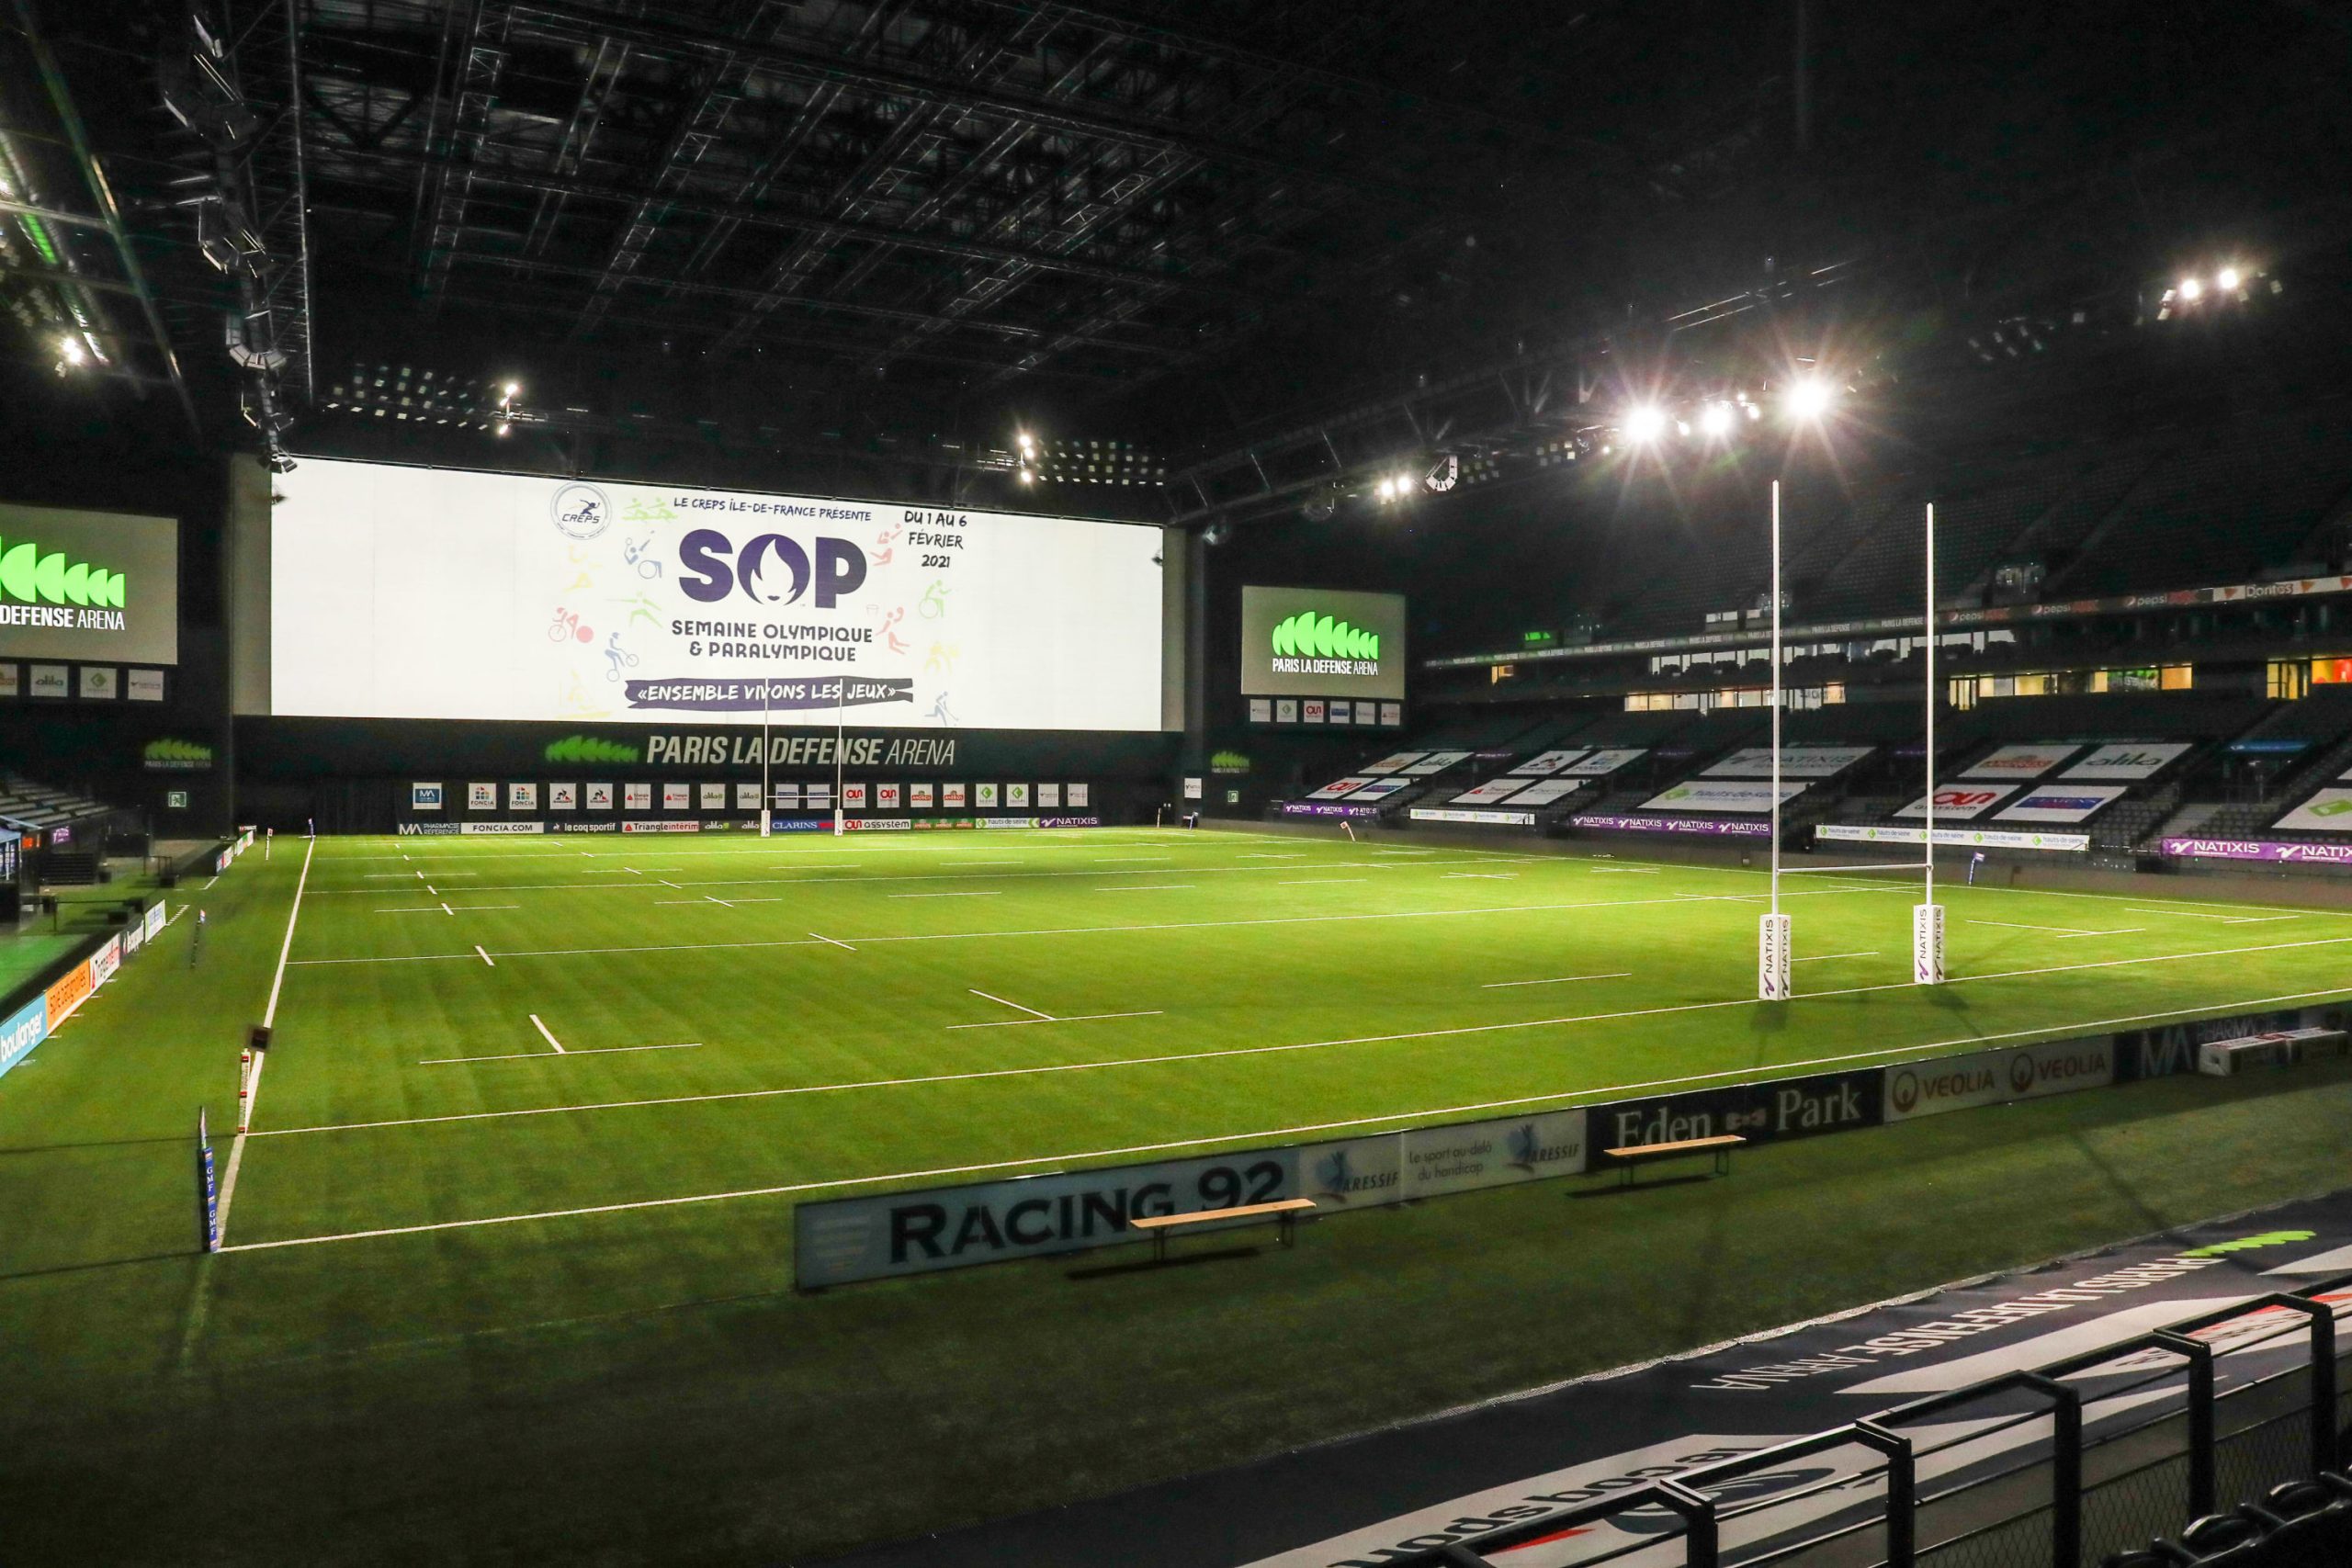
(1263, 1135)
(1147, 926)
(1887, 1053)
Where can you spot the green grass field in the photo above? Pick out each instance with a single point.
(540, 1308)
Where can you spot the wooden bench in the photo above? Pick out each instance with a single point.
(1284, 1210)
(1721, 1146)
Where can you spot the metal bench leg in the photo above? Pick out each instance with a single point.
(1160, 1246)
(1289, 1229)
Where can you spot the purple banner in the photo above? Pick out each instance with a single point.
(2259, 849)
(1327, 808)
(1674, 825)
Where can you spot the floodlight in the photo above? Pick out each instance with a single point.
(503, 426)
(72, 347)
(1643, 423)
(1027, 478)
(2191, 289)
(513, 390)
(1809, 397)
(1716, 419)
(2228, 278)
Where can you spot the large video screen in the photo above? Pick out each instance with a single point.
(1313, 642)
(99, 587)
(404, 592)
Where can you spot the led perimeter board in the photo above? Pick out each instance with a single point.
(415, 594)
(98, 587)
(1314, 642)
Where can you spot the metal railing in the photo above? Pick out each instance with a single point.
(2056, 1501)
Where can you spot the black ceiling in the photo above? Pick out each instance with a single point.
(1173, 220)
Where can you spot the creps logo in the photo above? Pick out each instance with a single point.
(709, 568)
(32, 578)
(1309, 636)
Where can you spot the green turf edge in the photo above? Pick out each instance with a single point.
(713, 1416)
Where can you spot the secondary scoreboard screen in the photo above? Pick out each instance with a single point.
(98, 587)
(1311, 642)
(407, 592)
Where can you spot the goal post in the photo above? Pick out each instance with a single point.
(1927, 916)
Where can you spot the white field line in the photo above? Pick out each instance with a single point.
(542, 1056)
(261, 1058)
(1560, 980)
(1479, 875)
(804, 881)
(831, 942)
(1151, 887)
(1014, 1006)
(1825, 957)
(486, 958)
(445, 905)
(1144, 926)
(2225, 919)
(209, 882)
(546, 1034)
(1259, 1135)
(432, 891)
(2016, 926)
(1073, 1018)
(1325, 881)
(973, 895)
(2127, 930)
(175, 917)
(2057, 1030)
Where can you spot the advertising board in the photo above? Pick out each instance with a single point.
(1492, 792)
(93, 586)
(1473, 814)
(411, 592)
(1796, 762)
(481, 797)
(1313, 642)
(1958, 803)
(2258, 849)
(2061, 803)
(1606, 761)
(1435, 762)
(2328, 811)
(1991, 1077)
(1607, 823)
(2135, 760)
(424, 797)
(1544, 764)
(1544, 792)
(1723, 796)
(1380, 789)
(1955, 838)
(2018, 761)
(1396, 761)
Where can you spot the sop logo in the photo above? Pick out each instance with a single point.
(2022, 1072)
(1905, 1093)
(581, 510)
(707, 573)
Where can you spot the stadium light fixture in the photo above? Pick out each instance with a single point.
(1643, 423)
(1809, 397)
(2228, 278)
(1716, 420)
(1027, 478)
(504, 428)
(74, 353)
(2192, 289)
(513, 390)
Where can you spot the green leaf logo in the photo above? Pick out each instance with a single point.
(1311, 636)
(32, 578)
(588, 749)
(176, 751)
